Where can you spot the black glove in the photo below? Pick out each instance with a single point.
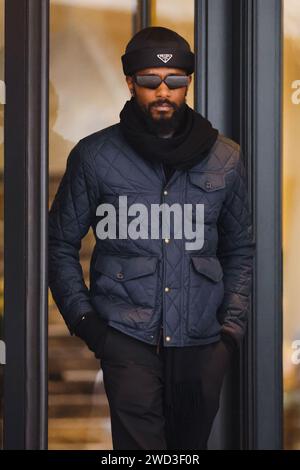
(93, 331)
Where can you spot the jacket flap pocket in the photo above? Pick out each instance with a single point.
(210, 266)
(123, 268)
(208, 181)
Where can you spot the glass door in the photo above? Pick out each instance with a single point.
(87, 91)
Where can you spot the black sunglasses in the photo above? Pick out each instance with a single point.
(153, 81)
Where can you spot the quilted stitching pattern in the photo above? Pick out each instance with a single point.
(199, 303)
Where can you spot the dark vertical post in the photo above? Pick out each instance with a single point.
(201, 62)
(142, 18)
(25, 228)
(257, 114)
(263, 138)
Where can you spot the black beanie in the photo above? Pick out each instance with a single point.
(156, 46)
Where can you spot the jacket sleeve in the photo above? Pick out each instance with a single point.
(70, 218)
(236, 251)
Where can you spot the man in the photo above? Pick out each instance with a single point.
(163, 315)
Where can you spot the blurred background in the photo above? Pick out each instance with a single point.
(87, 92)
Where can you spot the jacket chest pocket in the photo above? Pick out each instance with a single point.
(208, 181)
(131, 278)
(205, 294)
(209, 189)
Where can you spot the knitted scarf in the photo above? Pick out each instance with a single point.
(189, 144)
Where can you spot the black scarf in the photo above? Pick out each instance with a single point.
(189, 144)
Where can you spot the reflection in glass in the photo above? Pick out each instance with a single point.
(291, 223)
(87, 91)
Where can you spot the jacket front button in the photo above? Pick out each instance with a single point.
(208, 184)
(120, 275)
(168, 338)
(167, 240)
(167, 289)
(165, 192)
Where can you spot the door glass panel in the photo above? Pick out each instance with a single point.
(87, 92)
(291, 223)
(177, 15)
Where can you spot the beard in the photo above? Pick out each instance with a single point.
(162, 125)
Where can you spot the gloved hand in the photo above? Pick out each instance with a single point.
(93, 331)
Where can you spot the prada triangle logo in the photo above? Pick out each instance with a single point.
(165, 57)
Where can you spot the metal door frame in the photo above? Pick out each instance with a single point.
(25, 227)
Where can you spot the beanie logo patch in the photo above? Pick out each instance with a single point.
(165, 57)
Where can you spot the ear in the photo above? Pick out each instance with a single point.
(129, 81)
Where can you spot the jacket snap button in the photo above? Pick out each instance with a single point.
(167, 240)
(165, 192)
(208, 184)
(168, 338)
(167, 289)
(120, 275)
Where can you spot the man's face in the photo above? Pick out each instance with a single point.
(162, 104)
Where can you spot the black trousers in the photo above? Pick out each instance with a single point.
(134, 380)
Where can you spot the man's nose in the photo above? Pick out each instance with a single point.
(162, 90)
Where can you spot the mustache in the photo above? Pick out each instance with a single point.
(161, 103)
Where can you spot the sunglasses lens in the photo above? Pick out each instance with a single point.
(148, 81)
(177, 81)
(153, 81)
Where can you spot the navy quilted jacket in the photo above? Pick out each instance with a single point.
(139, 285)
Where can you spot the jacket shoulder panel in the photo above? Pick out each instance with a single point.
(93, 142)
(224, 155)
